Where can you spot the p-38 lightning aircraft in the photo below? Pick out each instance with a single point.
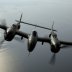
(53, 40)
(33, 37)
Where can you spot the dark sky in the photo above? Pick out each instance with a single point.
(41, 12)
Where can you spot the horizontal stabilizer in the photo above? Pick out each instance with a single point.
(36, 25)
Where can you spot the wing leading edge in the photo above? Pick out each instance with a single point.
(26, 35)
(66, 43)
(23, 34)
(41, 39)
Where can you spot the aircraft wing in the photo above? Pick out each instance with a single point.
(48, 41)
(26, 35)
(42, 39)
(23, 34)
(3, 27)
(66, 43)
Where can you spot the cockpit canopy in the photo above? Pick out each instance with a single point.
(55, 35)
(14, 26)
(8, 30)
(34, 33)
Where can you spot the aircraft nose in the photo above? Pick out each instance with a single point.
(57, 45)
(30, 47)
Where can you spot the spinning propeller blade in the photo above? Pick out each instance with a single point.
(19, 39)
(3, 22)
(1, 43)
(53, 59)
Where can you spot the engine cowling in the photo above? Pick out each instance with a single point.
(9, 34)
(55, 49)
(49, 35)
(19, 26)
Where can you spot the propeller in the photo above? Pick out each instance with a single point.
(1, 42)
(19, 39)
(3, 50)
(3, 22)
(53, 59)
(21, 17)
(19, 21)
(65, 46)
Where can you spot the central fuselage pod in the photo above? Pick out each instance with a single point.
(32, 41)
